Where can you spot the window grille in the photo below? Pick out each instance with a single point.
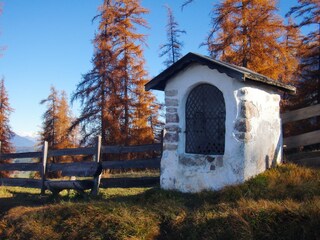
(205, 121)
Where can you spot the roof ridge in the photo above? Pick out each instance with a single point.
(234, 71)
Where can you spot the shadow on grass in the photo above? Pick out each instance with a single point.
(20, 197)
(282, 203)
(174, 215)
(272, 186)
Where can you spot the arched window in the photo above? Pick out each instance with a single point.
(205, 121)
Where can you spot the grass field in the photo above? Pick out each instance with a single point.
(282, 203)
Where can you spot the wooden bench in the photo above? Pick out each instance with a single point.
(78, 169)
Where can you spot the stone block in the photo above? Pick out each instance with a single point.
(242, 125)
(171, 137)
(170, 147)
(242, 93)
(219, 161)
(243, 136)
(192, 161)
(248, 110)
(210, 159)
(171, 93)
(171, 110)
(173, 128)
(172, 118)
(171, 102)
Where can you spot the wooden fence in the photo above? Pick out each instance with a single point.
(307, 158)
(92, 169)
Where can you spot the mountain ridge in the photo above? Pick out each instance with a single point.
(22, 143)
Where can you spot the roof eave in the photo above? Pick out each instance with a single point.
(159, 82)
(276, 84)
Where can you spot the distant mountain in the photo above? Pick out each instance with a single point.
(33, 139)
(23, 143)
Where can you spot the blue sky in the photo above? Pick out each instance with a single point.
(48, 43)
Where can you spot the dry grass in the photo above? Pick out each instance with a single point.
(132, 173)
(283, 203)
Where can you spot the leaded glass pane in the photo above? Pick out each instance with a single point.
(205, 121)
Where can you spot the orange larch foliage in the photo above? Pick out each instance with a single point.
(249, 33)
(307, 13)
(56, 123)
(114, 102)
(307, 16)
(5, 130)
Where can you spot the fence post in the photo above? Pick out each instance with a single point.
(44, 166)
(96, 181)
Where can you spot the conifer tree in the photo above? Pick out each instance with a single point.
(292, 45)
(96, 86)
(172, 49)
(248, 33)
(114, 103)
(5, 130)
(308, 14)
(63, 123)
(49, 128)
(56, 122)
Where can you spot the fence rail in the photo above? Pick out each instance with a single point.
(91, 169)
(21, 182)
(4, 156)
(301, 114)
(302, 140)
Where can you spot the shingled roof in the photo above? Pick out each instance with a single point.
(240, 73)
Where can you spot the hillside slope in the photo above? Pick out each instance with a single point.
(282, 203)
(23, 143)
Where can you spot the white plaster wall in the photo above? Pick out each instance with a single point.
(200, 175)
(265, 148)
(243, 158)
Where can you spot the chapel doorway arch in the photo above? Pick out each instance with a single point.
(205, 121)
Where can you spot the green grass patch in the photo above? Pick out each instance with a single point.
(282, 203)
(132, 173)
(14, 191)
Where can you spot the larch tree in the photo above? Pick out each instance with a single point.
(65, 139)
(292, 43)
(114, 102)
(172, 48)
(138, 105)
(56, 122)
(307, 13)
(5, 130)
(249, 33)
(49, 125)
(99, 112)
(307, 16)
